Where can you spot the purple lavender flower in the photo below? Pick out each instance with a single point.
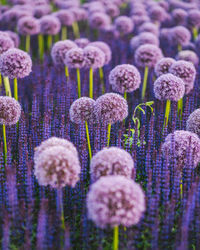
(14, 37)
(99, 20)
(115, 200)
(65, 17)
(49, 25)
(105, 48)
(169, 87)
(74, 58)
(186, 71)
(193, 122)
(179, 16)
(124, 25)
(60, 49)
(6, 43)
(188, 55)
(149, 27)
(10, 110)
(125, 78)
(28, 26)
(185, 142)
(110, 108)
(193, 18)
(180, 35)
(15, 63)
(163, 65)
(94, 57)
(111, 161)
(82, 42)
(147, 55)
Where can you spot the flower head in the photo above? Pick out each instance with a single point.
(124, 25)
(163, 65)
(179, 35)
(6, 43)
(74, 58)
(14, 37)
(149, 27)
(157, 13)
(28, 26)
(105, 48)
(99, 20)
(193, 122)
(41, 10)
(82, 42)
(94, 57)
(144, 38)
(49, 25)
(66, 17)
(179, 16)
(193, 18)
(189, 56)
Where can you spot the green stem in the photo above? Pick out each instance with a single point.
(56, 38)
(28, 41)
(101, 76)
(195, 33)
(60, 207)
(7, 86)
(76, 29)
(179, 47)
(5, 144)
(41, 46)
(116, 238)
(78, 82)
(66, 72)
(167, 111)
(125, 95)
(91, 83)
(0, 83)
(88, 140)
(64, 33)
(15, 89)
(108, 134)
(49, 42)
(146, 71)
(181, 187)
(180, 108)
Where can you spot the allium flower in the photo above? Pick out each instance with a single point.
(10, 110)
(105, 48)
(110, 108)
(94, 57)
(67, 4)
(149, 27)
(112, 10)
(163, 65)
(111, 161)
(185, 142)
(157, 13)
(11, 16)
(28, 26)
(186, 71)
(193, 18)
(115, 200)
(82, 110)
(144, 38)
(6, 43)
(41, 10)
(147, 55)
(14, 37)
(179, 16)
(125, 78)
(111, 33)
(15, 63)
(74, 58)
(60, 49)
(82, 42)
(169, 87)
(57, 167)
(180, 35)
(193, 122)
(49, 25)
(66, 17)
(99, 20)
(188, 55)
(79, 13)
(124, 25)
(139, 20)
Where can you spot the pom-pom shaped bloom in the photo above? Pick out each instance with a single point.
(74, 58)
(105, 48)
(15, 63)
(11, 16)
(28, 26)
(94, 57)
(179, 16)
(14, 37)
(157, 13)
(41, 10)
(82, 110)
(149, 27)
(67, 4)
(188, 55)
(82, 42)
(111, 161)
(193, 18)
(125, 78)
(79, 13)
(144, 38)
(180, 35)
(66, 17)
(163, 65)
(124, 25)
(112, 10)
(193, 122)
(169, 87)
(49, 25)
(6, 43)
(110, 108)
(56, 166)
(99, 20)
(60, 49)
(139, 20)
(147, 55)
(186, 71)
(185, 142)
(10, 110)
(114, 201)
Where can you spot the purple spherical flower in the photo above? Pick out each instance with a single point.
(67, 4)
(112, 10)
(11, 17)
(99, 20)
(144, 38)
(163, 65)
(185, 142)
(82, 110)
(60, 49)
(179, 16)
(105, 48)
(139, 20)
(28, 26)
(193, 18)
(79, 13)
(14, 37)
(169, 87)
(157, 13)
(188, 55)
(110, 33)
(56, 166)
(41, 10)
(15, 63)
(186, 71)
(10, 110)
(114, 201)
(66, 17)
(124, 25)
(180, 35)
(125, 78)
(49, 25)
(111, 161)
(193, 122)
(94, 57)
(74, 58)
(82, 42)
(110, 108)
(149, 27)
(6, 43)
(147, 55)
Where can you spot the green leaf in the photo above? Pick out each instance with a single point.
(149, 103)
(141, 110)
